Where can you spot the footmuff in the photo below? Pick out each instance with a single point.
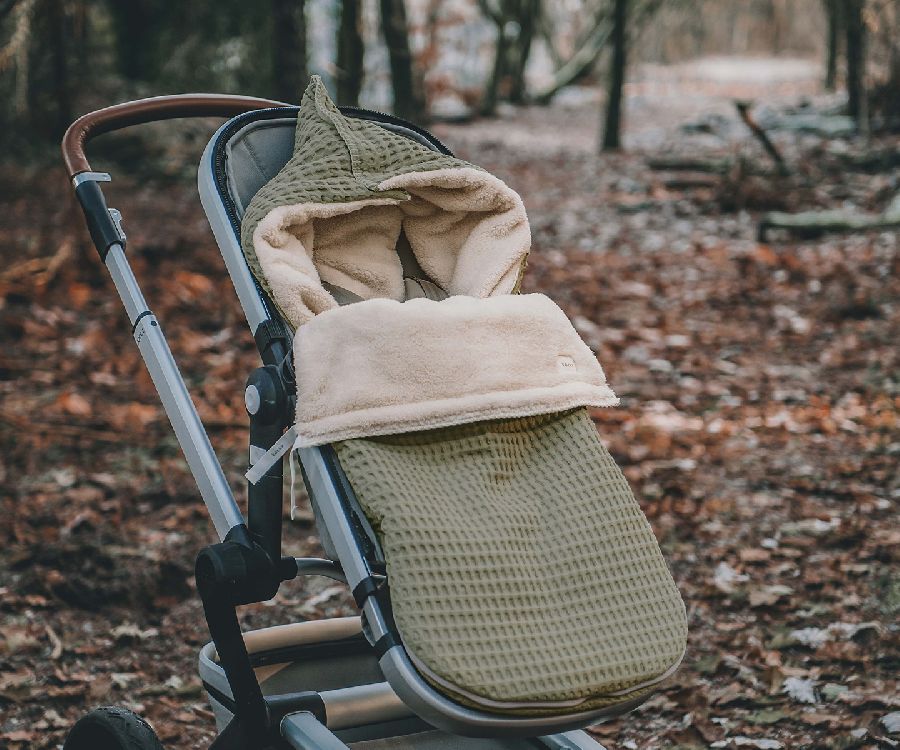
(524, 578)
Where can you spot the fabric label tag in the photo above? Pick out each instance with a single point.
(566, 364)
(271, 456)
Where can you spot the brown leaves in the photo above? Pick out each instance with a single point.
(758, 427)
(74, 404)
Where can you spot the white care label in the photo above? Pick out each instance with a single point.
(268, 459)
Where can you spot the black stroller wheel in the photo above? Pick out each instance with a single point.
(112, 728)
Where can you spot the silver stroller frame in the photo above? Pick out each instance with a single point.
(339, 682)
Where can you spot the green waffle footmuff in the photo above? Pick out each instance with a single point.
(524, 577)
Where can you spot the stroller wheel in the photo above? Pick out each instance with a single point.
(112, 728)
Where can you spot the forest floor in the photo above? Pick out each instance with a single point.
(758, 424)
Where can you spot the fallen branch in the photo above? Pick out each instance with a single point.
(743, 109)
(882, 160)
(826, 126)
(40, 272)
(690, 181)
(683, 164)
(809, 224)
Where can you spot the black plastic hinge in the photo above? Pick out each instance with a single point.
(385, 644)
(267, 333)
(103, 223)
(368, 586)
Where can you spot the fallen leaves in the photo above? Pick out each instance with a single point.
(800, 690)
(74, 404)
(769, 595)
(758, 428)
(891, 722)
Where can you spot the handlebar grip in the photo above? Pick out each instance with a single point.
(155, 108)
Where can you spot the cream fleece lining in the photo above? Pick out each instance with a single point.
(466, 228)
(381, 367)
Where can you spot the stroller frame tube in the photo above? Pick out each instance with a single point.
(177, 402)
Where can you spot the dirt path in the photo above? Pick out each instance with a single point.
(758, 424)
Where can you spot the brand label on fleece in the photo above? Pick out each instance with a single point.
(566, 364)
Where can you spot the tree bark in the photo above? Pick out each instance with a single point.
(613, 126)
(833, 11)
(501, 56)
(350, 48)
(136, 29)
(409, 100)
(529, 15)
(60, 64)
(856, 61)
(289, 71)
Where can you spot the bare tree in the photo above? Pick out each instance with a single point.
(591, 45)
(350, 49)
(516, 22)
(135, 38)
(529, 17)
(581, 62)
(289, 72)
(833, 12)
(613, 125)
(856, 61)
(409, 99)
(58, 36)
(501, 15)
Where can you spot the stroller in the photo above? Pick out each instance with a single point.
(491, 616)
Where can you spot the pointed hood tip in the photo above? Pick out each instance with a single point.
(317, 93)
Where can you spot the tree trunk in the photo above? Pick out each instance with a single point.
(60, 66)
(289, 73)
(350, 50)
(529, 15)
(856, 61)
(833, 11)
(136, 26)
(409, 101)
(501, 57)
(613, 126)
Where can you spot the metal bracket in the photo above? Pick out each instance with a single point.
(116, 217)
(90, 177)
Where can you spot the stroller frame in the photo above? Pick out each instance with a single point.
(247, 566)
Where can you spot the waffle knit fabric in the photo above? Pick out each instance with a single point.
(337, 209)
(524, 576)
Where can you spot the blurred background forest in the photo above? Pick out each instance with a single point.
(714, 194)
(426, 59)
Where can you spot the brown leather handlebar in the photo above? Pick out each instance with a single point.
(172, 107)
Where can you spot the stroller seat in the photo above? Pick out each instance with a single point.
(507, 579)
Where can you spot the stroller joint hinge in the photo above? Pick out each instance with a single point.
(267, 404)
(241, 570)
(233, 572)
(270, 335)
(104, 223)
